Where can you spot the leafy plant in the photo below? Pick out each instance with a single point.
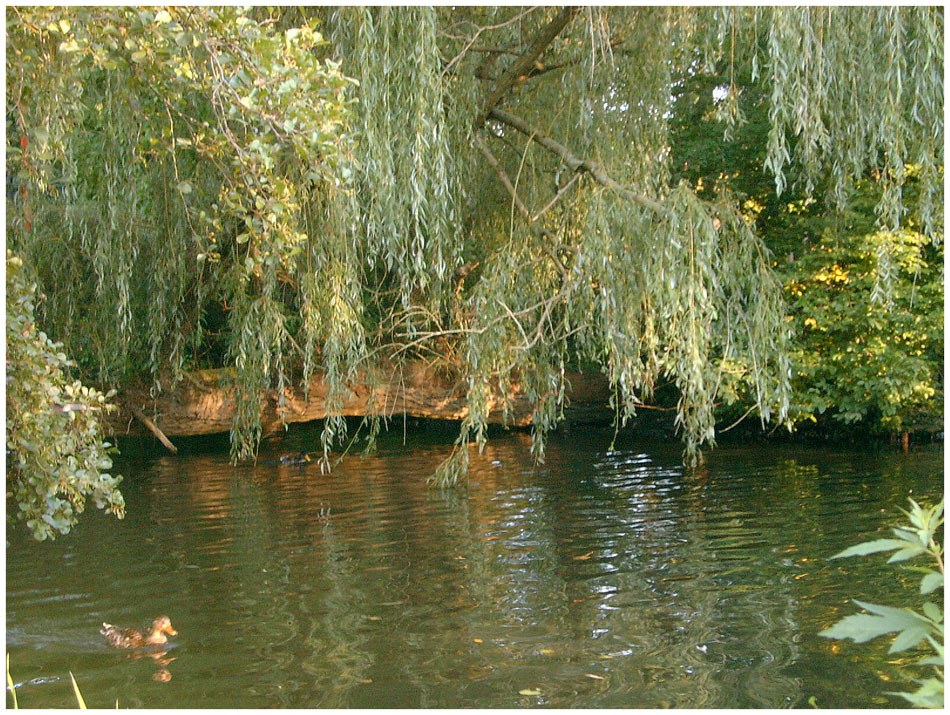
(865, 305)
(172, 158)
(918, 538)
(55, 453)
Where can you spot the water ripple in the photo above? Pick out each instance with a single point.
(599, 579)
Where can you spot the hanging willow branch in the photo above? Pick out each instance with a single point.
(227, 188)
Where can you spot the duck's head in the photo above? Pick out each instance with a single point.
(161, 626)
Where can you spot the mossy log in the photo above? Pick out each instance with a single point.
(203, 402)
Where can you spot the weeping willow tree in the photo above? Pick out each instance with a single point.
(289, 190)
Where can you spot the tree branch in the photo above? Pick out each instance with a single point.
(525, 62)
(572, 161)
(558, 195)
(502, 176)
(153, 429)
(480, 30)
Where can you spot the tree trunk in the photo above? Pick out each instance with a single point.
(203, 403)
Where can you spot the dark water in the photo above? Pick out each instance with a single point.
(600, 579)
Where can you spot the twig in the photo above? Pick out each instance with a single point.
(557, 196)
(155, 430)
(734, 424)
(480, 30)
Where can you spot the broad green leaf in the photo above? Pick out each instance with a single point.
(889, 611)
(933, 612)
(914, 628)
(908, 552)
(929, 695)
(860, 627)
(870, 547)
(931, 582)
(909, 638)
(863, 627)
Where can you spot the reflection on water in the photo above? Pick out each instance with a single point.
(599, 579)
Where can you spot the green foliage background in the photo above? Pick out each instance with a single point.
(865, 304)
(279, 191)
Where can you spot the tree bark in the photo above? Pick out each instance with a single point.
(203, 403)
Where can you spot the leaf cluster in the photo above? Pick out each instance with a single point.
(56, 457)
(919, 537)
(171, 159)
(865, 305)
(855, 358)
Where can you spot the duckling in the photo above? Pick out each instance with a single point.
(297, 459)
(132, 638)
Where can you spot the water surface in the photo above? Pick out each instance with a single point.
(599, 579)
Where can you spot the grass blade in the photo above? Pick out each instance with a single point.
(10, 683)
(79, 700)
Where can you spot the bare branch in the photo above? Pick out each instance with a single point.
(572, 161)
(502, 176)
(557, 196)
(480, 30)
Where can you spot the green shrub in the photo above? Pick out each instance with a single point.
(866, 353)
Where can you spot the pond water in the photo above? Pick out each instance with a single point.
(599, 579)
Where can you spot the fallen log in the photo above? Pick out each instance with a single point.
(203, 403)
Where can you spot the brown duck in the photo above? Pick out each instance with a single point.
(132, 638)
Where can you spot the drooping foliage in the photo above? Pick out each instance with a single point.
(284, 190)
(175, 157)
(867, 343)
(56, 456)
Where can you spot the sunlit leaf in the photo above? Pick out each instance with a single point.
(863, 627)
(933, 612)
(870, 547)
(931, 582)
(907, 553)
